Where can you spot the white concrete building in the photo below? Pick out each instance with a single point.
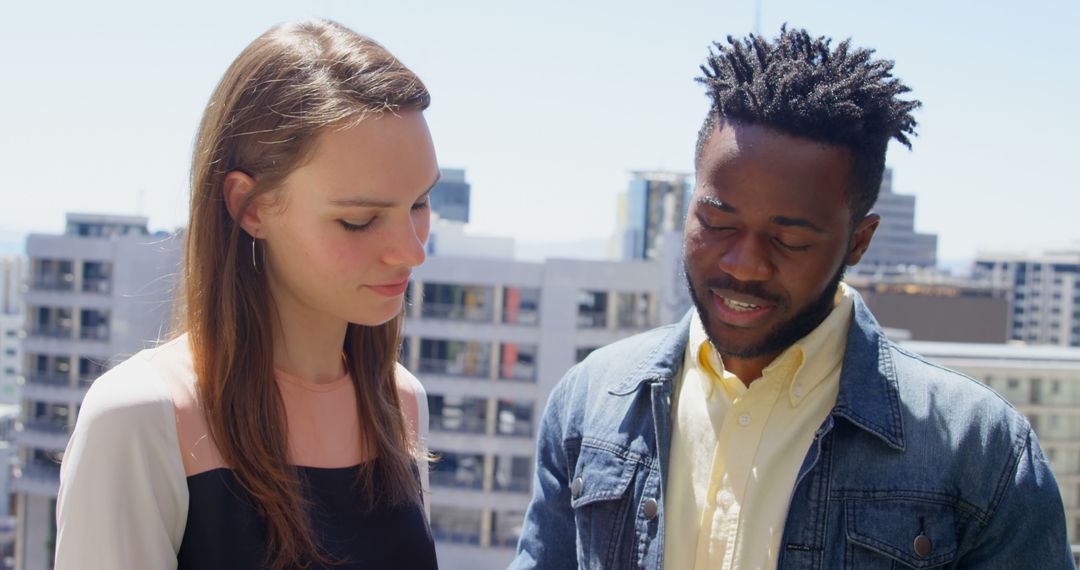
(12, 276)
(1043, 382)
(489, 338)
(1044, 293)
(98, 293)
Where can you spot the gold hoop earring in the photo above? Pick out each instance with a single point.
(254, 257)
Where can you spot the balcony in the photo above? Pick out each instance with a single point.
(53, 283)
(97, 285)
(98, 333)
(37, 477)
(52, 332)
(451, 537)
(460, 367)
(518, 372)
(591, 320)
(456, 479)
(457, 312)
(514, 485)
(51, 435)
(455, 423)
(48, 379)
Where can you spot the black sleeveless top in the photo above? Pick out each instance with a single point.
(224, 532)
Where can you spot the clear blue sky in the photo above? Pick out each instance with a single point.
(547, 105)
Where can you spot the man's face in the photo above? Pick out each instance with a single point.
(767, 237)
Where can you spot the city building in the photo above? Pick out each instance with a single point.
(896, 242)
(489, 339)
(97, 293)
(933, 306)
(12, 275)
(450, 196)
(654, 203)
(1044, 293)
(1043, 382)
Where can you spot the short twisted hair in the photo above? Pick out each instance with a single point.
(803, 87)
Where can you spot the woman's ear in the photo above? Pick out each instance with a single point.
(237, 187)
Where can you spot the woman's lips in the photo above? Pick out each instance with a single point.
(391, 289)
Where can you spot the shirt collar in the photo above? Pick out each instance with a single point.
(813, 358)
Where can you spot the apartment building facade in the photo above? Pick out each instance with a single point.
(96, 294)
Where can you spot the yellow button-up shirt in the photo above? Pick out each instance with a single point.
(736, 451)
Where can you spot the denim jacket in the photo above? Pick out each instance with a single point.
(916, 466)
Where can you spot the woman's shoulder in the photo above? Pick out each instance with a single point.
(138, 385)
(408, 383)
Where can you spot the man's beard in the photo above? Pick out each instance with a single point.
(785, 334)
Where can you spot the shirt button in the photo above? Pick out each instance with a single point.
(923, 546)
(651, 508)
(797, 391)
(724, 498)
(576, 487)
(744, 420)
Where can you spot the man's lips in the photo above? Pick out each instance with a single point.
(739, 309)
(391, 289)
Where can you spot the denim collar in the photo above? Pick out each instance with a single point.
(869, 394)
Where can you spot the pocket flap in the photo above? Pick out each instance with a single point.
(604, 474)
(893, 526)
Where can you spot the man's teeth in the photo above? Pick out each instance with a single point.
(739, 306)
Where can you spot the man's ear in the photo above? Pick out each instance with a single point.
(237, 187)
(860, 241)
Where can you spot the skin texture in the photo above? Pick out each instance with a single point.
(769, 226)
(342, 235)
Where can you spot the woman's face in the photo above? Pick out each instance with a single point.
(352, 222)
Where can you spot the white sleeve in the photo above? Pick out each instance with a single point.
(423, 420)
(123, 495)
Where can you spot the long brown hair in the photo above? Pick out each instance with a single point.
(286, 87)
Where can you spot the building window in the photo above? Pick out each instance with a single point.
(473, 303)
(634, 310)
(506, 528)
(455, 358)
(592, 309)
(514, 418)
(517, 362)
(584, 351)
(455, 525)
(521, 305)
(1013, 383)
(9, 352)
(95, 325)
(458, 414)
(513, 473)
(458, 470)
(97, 277)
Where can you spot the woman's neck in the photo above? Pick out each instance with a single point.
(308, 345)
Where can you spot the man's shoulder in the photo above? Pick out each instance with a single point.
(644, 354)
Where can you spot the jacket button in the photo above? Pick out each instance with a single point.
(576, 487)
(651, 508)
(923, 546)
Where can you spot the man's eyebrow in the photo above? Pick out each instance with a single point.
(369, 203)
(778, 220)
(722, 206)
(796, 222)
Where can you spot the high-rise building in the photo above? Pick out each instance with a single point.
(1044, 293)
(489, 339)
(450, 196)
(97, 293)
(896, 242)
(1043, 382)
(653, 204)
(12, 274)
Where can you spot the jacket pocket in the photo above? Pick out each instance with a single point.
(600, 497)
(912, 533)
